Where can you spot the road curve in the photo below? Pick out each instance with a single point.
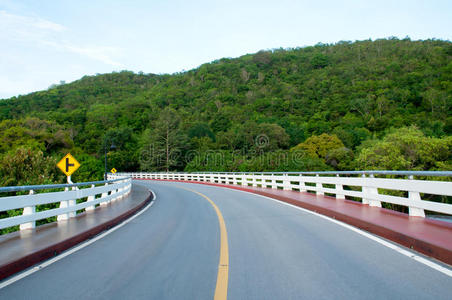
(171, 251)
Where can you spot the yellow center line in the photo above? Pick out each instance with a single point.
(221, 290)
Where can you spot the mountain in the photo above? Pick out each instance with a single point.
(339, 105)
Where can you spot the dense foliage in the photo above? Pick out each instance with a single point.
(383, 104)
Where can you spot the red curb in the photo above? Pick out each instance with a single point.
(53, 250)
(423, 246)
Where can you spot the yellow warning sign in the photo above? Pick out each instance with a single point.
(68, 164)
(113, 170)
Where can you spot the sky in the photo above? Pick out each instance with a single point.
(44, 42)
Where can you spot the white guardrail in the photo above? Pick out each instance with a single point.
(99, 192)
(365, 186)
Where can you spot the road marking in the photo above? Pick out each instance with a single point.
(73, 250)
(420, 259)
(381, 241)
(221, 290)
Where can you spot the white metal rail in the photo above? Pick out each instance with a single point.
(109, 191)
(366, 186)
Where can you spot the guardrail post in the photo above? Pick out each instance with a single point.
(339, 190)
(28, 210)
(129, 186)
(244, 181)
(63, 204)
(373, 191)
(412, 210)
(265, 181)
(73, 202)
(91, 198)
(286, 182)
(364, 192)
(273, 181)
(120, 190)
(112, 193)
(105, 195)
(254, 181)
(415, 196)
(302, 185)
(319, 187)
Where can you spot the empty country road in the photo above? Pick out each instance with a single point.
(275, 251)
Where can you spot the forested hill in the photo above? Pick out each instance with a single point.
(368, 104)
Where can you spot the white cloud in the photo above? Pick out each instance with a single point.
(102, 54)
(16, 21)
(24, 28)
(99, 53)
(34, 31)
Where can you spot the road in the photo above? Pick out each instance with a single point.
(171, 251)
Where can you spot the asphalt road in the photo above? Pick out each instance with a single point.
(171, 251)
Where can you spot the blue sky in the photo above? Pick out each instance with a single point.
(43, 42)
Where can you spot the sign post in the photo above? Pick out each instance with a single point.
(68, 165)
(113, 170)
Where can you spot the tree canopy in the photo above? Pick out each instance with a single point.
(383, 104)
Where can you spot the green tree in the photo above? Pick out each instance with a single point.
(407, 149)
(26, 166)
(318, 146)
(200, 130)
(320, 61)
(340, 159)
(165, 144)
(220, 122)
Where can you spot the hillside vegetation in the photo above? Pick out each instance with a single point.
(383, 104)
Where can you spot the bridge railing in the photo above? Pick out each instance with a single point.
(96, 192)
(362, 185)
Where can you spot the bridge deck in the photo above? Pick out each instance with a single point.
(20, 250)
(430, 237)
